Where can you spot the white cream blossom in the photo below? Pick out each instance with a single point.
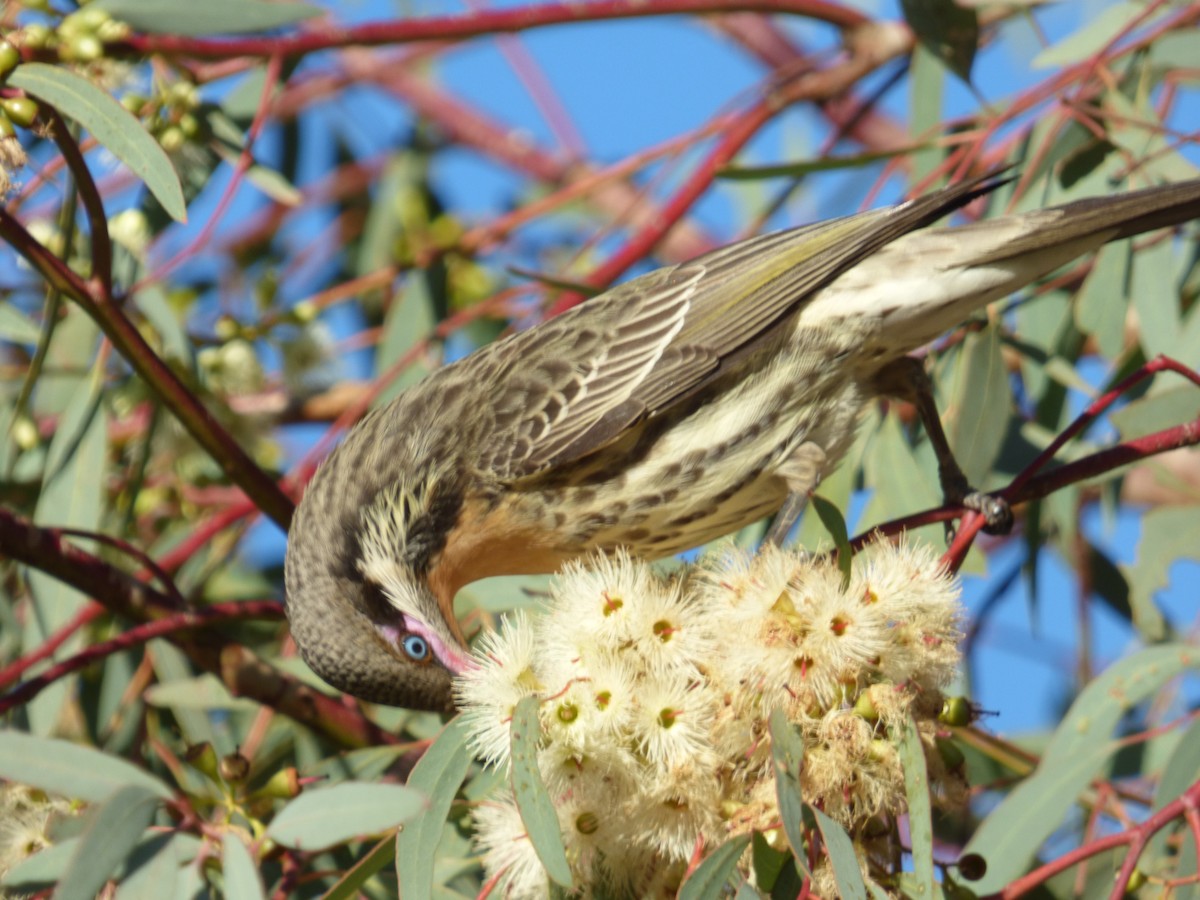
(654, 694)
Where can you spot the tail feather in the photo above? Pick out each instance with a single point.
(927, 282)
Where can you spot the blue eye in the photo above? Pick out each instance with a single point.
(416, 647)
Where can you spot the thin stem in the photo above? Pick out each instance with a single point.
(488, 22)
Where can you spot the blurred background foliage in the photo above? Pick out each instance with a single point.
(233, 226)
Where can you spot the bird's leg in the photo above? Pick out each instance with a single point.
(906, 379)
(801, 472)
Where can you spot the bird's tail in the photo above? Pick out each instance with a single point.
(926, 282)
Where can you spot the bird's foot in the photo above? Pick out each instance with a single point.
(996, 512)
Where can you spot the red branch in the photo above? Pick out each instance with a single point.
(328, 35)
(241, 671)
(1135, 838)
(226, 612)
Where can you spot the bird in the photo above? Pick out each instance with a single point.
(668, 411)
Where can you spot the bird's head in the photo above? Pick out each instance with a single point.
(358, 600)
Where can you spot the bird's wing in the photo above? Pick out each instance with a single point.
(574, 383)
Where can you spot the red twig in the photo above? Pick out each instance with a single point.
(27, 690)
(244, 160)
(490, 22)
(1134, 838)
(46, 648)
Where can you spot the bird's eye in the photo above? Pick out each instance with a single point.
(416, 647)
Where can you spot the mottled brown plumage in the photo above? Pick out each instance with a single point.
(667, 412)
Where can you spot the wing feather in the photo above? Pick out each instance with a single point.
(571, 385)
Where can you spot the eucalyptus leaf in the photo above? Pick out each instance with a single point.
(333, 815)
(241, 872)
(438, 775)
(537, 811)
(71, 770)
(920, 815)
(787, 756)
(982, 402)
(1083, 742)
(710, 879)
(114, 830)
(947, 30)
(841, 854)
(15, 326)
(42, 869)
(109, 123)
(209, 17)
(377, 859)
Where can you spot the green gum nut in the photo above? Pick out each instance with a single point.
(9, 58)
(20, 110)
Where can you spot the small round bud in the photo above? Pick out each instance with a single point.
(864, 707)
(182, 94)
(283, 785)
(234, 768)
(81, 48)
(956, 711)
(36, 36)
(134, 103)
(21, 110)
(203, 758)
(972, 866)
(189, 125)
(25, 433)
(587, 823)
(227, 328)
(304, 312)
(1137, 878)
(89, 19)
(10, 58)
(172, 139)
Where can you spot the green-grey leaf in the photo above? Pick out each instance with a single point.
(70, 770)
(842, 855)
(109, 123)
(1168, 535)
(410, 319)
(537, 812)
(947, 30)
(787, 755)
(1097, 32)
(170, 666)
(767, 862)
(238, 866)
(333, 815)
(1154, 412)
(982, 398)
(1083, 742)
(154, 867)
(203, 692)
(72, 496)
(831, 518)
(1103, 301)
(209, 17)
(709, 879)
(16, 326)
(42, 869)
(114, 830)
(1178, 774)
(438, 775)
(347, 887)
(809, 166)
(154, 305)
(920, 817)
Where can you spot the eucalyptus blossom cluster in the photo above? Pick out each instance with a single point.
(654, 693)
